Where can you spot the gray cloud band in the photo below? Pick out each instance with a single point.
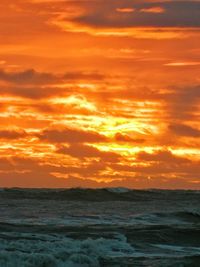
(160, 14)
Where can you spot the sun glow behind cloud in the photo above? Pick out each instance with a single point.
(99, 94)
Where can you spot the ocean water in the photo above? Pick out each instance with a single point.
(103, 227)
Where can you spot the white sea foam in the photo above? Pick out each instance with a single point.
(28, 250)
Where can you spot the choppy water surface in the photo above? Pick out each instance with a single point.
(103, 227)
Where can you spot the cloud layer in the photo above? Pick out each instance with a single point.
(100, 93)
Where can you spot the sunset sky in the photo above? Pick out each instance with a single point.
(100, 93)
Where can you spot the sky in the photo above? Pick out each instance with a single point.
(98, 93)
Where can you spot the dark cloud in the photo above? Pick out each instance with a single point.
(85, 151)
(126, 138)
(29, 165)
(32, 77)
(162, 162)
(184, 130)
(182, 102)
(38, 85)
(12, 134)
(83, 76)
(161, 156)
(169, 14)
(69, 135)
(27, 77)
(30, 92)
(179, 102)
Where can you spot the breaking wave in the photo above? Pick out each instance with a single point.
(26, 250)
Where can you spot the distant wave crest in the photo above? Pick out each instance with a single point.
(104, 194)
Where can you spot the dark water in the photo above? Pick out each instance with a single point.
(103, 227)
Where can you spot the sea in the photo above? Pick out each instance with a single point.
(108, 227)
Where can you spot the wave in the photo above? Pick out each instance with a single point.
(188, 216)
(170, 218)
(88, 228)
(99, 195)
(22, 246)
(176, 234)
(26, 250)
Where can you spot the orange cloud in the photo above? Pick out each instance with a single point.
(155, 9)
(84, 151)
(99, 93)
(12, 134)
(71, 136)
(125, 10)
(184, 130)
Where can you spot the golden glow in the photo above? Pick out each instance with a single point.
(182, 64)
(125, 10)
(156, 9)
(99, 93)
(139, 33)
